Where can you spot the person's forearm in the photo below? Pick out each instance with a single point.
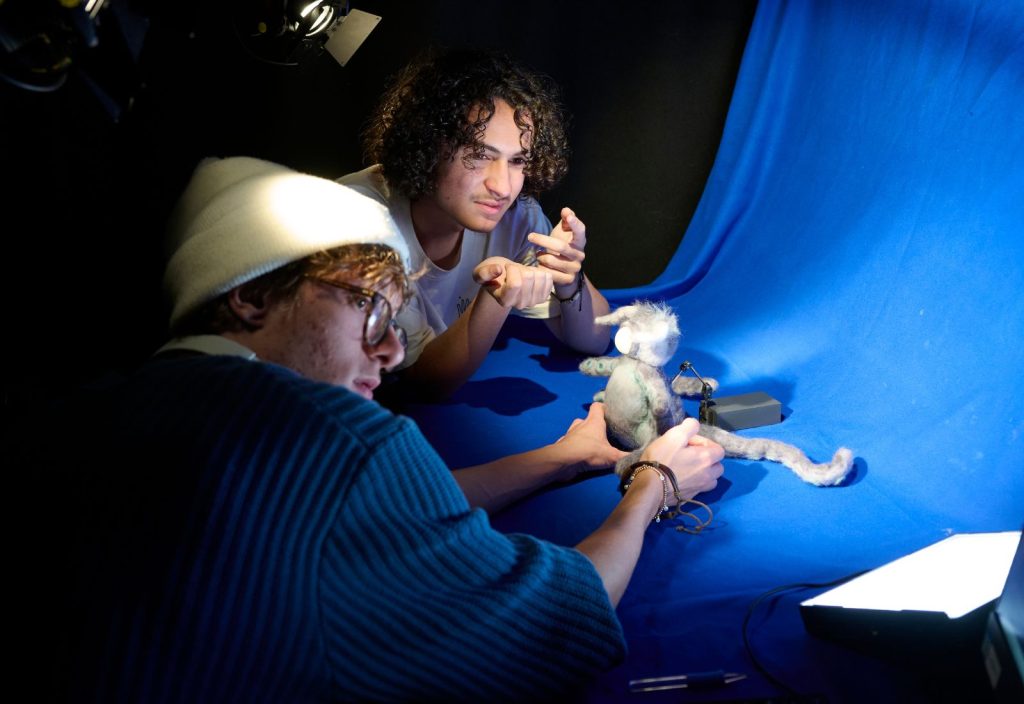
(575, 325)
(615, 547)
(447, 362)
(494, 485)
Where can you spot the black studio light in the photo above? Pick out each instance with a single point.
(44, 43)
(40, 40)
(312, 17)
(291, 32)
(286, 31)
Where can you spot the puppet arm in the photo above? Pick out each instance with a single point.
(599, 366)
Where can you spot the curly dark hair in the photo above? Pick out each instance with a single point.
(423, 119)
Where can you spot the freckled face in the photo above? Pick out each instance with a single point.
(320, 336)
(476, 197)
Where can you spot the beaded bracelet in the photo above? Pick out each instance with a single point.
(639, 467)
(668, 476)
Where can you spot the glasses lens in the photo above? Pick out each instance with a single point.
(378, 320)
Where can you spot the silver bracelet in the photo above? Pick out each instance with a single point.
(668, 476)
(664, 488)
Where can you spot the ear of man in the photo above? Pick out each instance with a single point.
(250, 304)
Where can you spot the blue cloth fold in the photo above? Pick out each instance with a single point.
(858, 253)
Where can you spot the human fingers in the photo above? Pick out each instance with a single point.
(595, 419)
(706, 480)
(526, 285)
(560, 257)
(489, 270)
(714, 447)
(572, 223)
(696, 466)
(543, 282)
(504, 288)
(513, 284)
(681, 434)
(556, 246)
(563, 271)
(695, 472)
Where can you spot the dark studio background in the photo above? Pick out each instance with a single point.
(92, 168)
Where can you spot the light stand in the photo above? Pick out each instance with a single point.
(734, 412)
(705, 390)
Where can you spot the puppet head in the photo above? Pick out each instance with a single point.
(647, 331)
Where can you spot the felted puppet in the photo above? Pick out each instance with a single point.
(641, 404)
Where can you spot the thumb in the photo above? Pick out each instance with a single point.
(567, 214)
(682, 433)
(596, 411)
(487, 271)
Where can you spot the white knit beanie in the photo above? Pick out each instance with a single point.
(240, 218)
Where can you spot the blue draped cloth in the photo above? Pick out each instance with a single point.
(858, 254)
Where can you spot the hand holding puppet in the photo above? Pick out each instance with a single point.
(640, 404)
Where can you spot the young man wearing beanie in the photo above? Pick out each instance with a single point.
(462, 143)
(246, 524)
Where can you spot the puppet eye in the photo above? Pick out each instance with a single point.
(624, 340)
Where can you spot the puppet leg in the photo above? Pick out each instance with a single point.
(827, 474)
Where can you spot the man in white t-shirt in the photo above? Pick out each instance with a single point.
(462, 142)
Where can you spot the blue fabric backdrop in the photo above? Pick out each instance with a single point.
(859, 255)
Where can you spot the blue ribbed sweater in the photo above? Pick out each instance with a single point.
(252, 536)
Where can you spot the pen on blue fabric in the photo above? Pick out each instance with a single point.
(714, 678)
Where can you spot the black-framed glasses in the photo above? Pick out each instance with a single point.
(378, 316)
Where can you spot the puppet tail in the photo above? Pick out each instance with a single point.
(825, 474)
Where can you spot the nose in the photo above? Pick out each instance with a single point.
(498, 180)
(389, 351)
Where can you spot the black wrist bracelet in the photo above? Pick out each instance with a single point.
(627, 481)
(662, 469)
(668, 477)
(577, 294)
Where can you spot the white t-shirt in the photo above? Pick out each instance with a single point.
(442, 295)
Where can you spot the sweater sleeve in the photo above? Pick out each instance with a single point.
(423, 600)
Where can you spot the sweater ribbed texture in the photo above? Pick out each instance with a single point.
(264, 538)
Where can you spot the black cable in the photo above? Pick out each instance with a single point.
(750, 612)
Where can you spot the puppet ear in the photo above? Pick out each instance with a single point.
(616, 316)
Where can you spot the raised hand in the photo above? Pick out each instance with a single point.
(513, 285)
(586, 442)
(563, 249)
